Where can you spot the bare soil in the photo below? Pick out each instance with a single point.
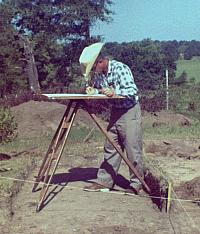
(69, 209)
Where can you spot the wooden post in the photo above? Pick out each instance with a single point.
(167, 90)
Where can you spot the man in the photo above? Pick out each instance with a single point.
(112, 78)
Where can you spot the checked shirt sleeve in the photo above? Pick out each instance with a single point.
(125, 85)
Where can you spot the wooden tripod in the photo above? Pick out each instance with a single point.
(52, 157)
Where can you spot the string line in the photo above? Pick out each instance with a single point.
(195, 200)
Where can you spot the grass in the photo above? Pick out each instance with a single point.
(19, 145)
(23, 164)
(79, 134)
(172, 132)
(191, 67)
(18, 166)
(185, 100)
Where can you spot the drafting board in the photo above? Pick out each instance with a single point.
(69, 96)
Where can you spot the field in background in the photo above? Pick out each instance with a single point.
(191, 67)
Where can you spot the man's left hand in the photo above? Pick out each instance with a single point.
(110, 92)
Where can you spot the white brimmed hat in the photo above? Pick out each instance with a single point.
(89, 56)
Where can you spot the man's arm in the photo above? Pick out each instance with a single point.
(109, 91)
(126, 86)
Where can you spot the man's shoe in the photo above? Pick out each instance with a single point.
(96, 188)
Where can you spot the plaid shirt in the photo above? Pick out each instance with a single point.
(120, 78)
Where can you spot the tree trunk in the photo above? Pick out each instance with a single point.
(31, 68)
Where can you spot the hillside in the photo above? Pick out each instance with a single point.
(192, 68)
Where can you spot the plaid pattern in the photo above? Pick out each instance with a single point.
(120, 78)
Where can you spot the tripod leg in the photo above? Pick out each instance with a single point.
(127, 161)
(48, 178)
(52, 148)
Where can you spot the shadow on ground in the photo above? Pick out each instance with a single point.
(61, 180)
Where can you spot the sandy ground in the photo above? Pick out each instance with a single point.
(68, 209)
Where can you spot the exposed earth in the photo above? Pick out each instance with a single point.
(69, 209)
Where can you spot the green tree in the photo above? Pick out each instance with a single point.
(170, 49)
(193, 49)
(58, 30)
(60, 19)
(12, 77)
(147, 61)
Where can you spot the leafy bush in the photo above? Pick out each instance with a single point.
(182, 79)
(8, 126)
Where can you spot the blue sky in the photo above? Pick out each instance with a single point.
(155, 19)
